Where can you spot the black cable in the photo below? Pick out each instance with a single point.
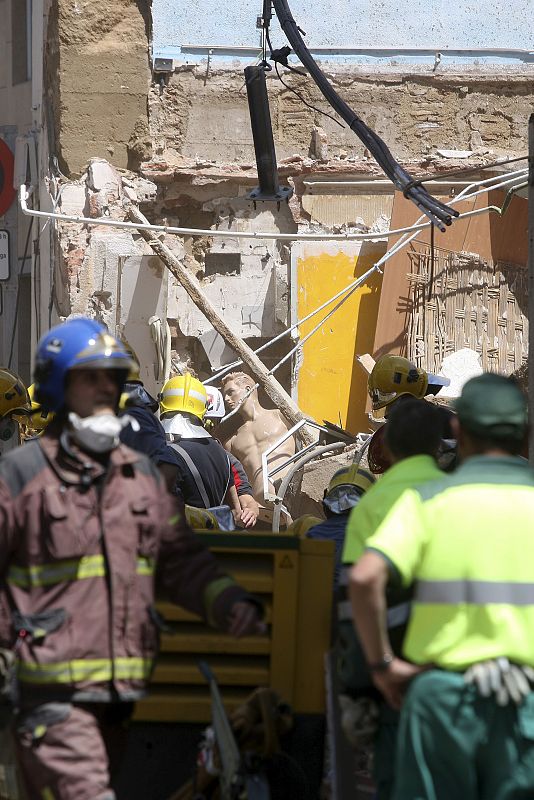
(438, 213)
(302, 100)
(280, 57)
(24, 257)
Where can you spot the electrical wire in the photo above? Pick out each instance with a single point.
(282, 59)
(305, 102)
(465, 194)
(437, 212)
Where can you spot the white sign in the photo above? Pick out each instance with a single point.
(4, 256)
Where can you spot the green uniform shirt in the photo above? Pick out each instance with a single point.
(377, 501)
(467, 544)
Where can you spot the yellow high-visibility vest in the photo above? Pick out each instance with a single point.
(467, 544)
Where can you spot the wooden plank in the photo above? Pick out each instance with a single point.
(230, 671)
(209, 641)
(172, 613)
(184, 706)
(186, 277)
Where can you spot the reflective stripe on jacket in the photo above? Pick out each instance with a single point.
(80, 551)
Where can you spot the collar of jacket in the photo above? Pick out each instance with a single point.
(73, 462)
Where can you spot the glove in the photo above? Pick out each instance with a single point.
(507, 682)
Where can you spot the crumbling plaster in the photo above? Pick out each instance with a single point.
(190, 139)
(97, 81)
(204, 114)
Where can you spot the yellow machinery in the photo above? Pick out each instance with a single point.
(294, 578)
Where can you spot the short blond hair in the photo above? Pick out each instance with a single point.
(241, 378)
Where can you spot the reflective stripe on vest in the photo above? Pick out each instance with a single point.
(62, 571)
(474, 592)
(94, 670)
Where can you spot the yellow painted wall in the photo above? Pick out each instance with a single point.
(330, 384)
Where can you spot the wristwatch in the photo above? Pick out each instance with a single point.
(383, 665)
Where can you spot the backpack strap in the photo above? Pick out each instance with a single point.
(199, 483)
(228, 481)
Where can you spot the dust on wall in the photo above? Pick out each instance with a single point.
(98, 75)
(204, 114)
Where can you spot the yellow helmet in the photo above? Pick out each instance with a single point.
(184, 393)
(134, 375)
(300, 526)
(13, 394)
(352, 475)
(394, 376)
(34, 423)
(345, 488)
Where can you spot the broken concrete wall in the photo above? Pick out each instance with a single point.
(97, 82)
(111, 274)
(204, 115)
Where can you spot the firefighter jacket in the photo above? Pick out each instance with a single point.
(82, 546)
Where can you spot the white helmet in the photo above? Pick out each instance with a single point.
(215, 405)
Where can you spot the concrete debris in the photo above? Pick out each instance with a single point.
(381, 224)
(101, 176)
(72, 199)
(459, 367)
(308, 490)
(455, 153)
(130, 194)
(319, 145)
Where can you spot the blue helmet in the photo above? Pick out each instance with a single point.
(75, 344)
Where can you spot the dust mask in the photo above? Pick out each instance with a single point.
(99, 433)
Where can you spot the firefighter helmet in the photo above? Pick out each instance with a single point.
(352, 475)
(394, 376)
(79, 343)
(134, 375)
(14, 396)
(185, 394)
(33, 424)
(346, 487)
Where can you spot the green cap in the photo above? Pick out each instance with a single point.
(492, 405)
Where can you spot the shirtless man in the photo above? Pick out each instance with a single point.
(260, 429)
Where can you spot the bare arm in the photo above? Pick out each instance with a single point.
(249, 510)
(368, 580)
(231, 499)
